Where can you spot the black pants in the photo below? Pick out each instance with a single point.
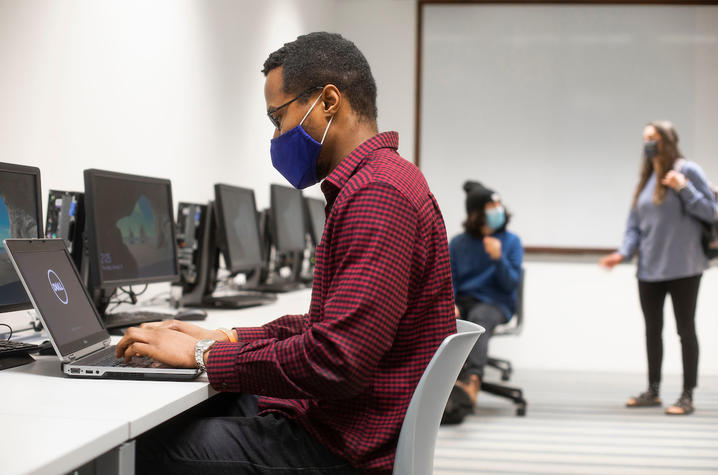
(684, 295)
(488, 316)
(224, 435)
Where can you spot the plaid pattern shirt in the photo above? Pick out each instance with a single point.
(381, 304)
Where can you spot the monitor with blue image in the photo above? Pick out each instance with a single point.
(20, 217)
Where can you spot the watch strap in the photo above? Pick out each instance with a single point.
(200, 348)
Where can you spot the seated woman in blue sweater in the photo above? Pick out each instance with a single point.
(486, 269)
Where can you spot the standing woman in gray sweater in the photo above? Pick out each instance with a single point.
(672, 199)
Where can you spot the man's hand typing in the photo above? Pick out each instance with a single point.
(171, 347)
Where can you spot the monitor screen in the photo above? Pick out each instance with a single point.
(20, 217)
(239, 238)
(130, 224)
(316, 214)
(287, 218)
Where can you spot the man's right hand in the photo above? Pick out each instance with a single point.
(611, 260)
(189, 329)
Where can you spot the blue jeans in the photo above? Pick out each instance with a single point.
(224, 435)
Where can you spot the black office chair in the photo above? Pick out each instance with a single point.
(513, 327)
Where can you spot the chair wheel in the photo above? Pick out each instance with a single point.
(505, 377)
(521, 410)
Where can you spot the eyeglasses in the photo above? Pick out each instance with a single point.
(271, 112)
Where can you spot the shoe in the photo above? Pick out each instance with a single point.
(682, 407)
(645, 399)
(458, 407)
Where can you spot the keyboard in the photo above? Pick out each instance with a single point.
(129, 319)
(281, 286)
(239, 299)
(9, 347)
(135, 362)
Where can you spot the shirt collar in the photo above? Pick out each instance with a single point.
(338, 177)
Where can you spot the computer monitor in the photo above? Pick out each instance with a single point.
(315, 218)
(197, 242)
(238, 228)
(287, 219)
(20, 217)
(130, 231)
(66, 220)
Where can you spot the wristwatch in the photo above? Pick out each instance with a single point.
(199, 350)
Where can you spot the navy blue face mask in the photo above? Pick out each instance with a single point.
(295, 153)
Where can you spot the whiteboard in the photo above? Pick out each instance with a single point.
(546, 104)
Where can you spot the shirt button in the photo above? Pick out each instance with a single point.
(224, 385)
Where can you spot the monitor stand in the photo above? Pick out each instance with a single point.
(114, 320)
(274, 282)
(238, 299)
(229, 297)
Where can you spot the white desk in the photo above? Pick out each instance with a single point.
(52, 445)
(60, 423)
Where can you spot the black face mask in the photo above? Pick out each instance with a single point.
(650, 149)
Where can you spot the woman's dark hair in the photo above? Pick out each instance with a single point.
(668, 153)
(475, 221)
(321, 58)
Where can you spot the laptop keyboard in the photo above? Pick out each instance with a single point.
(135, 362)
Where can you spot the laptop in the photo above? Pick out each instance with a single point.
(76, 330)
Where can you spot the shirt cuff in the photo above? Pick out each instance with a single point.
(626, 252)
(220, 366)
(251, 333)
(688, 191)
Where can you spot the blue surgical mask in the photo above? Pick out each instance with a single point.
(650, 149)
(294, 154)
(495, 218)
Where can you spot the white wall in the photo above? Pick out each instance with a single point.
(168, 88)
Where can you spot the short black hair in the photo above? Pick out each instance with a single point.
(321, 58)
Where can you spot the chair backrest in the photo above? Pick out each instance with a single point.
(516, 324)
(415, 449)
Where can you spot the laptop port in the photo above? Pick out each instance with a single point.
(75, 370)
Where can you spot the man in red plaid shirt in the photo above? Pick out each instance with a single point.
(329, 388)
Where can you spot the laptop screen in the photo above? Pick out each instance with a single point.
(60, 298)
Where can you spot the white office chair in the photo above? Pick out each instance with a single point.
(415, 450)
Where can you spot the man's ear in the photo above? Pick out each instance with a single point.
(331, 100)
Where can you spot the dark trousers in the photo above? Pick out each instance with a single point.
(684, 295)
(488, 316)
(224, 435)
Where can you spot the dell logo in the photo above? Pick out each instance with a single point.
(57, 286)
